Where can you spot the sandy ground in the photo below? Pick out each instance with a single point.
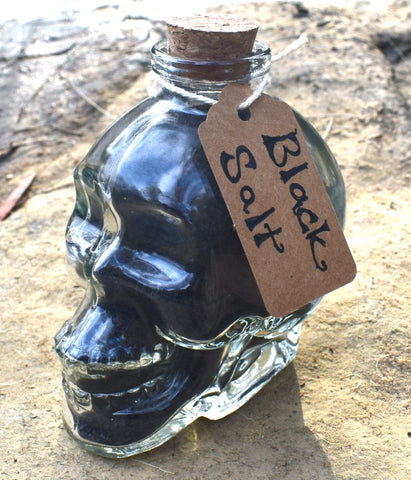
(341, 410)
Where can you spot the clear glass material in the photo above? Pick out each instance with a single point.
(172, 326)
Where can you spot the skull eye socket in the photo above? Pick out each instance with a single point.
(162, 237)
(155, 271)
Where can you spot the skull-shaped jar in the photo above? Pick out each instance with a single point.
(172, 326)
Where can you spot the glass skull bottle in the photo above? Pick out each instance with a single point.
(172, 326)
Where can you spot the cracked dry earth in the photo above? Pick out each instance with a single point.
(342, 409)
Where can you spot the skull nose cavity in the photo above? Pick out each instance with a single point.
(100, 253)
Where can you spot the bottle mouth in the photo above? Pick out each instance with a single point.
(255, 65)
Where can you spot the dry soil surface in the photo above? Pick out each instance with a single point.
(341, 410)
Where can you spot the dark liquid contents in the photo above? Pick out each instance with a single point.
(152, 240)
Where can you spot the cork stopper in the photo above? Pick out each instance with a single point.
(211, 37)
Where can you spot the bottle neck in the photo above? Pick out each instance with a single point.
(207, 78)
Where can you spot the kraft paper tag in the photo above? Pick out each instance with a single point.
(276, 198)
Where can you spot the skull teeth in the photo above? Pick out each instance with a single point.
(103, 363)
